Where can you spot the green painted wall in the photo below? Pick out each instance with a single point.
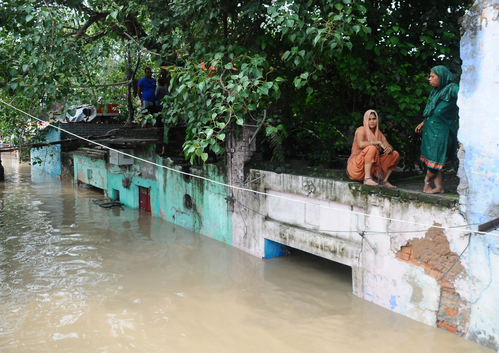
(198, 205)
(208, 213)
(91, 171)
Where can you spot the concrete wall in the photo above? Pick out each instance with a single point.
(48, 158)
(396, 265)
(91, 170)
(190, 202)
(479, 170)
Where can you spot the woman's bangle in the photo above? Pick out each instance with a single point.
(371, 142)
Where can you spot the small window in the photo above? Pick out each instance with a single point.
(187, 202)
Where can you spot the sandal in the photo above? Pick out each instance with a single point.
(387, 184)
(372, 183)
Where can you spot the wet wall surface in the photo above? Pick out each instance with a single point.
(75, 277)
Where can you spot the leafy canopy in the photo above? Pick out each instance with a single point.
(312, 67)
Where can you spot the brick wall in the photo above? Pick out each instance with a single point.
(86, 129)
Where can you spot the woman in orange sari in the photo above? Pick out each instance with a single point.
(373, 159)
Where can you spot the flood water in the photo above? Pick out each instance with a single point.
(75, 277)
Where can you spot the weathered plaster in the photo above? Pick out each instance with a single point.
(324, 217)
(479, 170)
(48, 158)
(479, 110)
(91, 171)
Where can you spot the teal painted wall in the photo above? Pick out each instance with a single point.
(130, 196)
(90, 171)
(208, 213)
(48, 156)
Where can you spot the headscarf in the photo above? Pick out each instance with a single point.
(369, 134)
(443, 91)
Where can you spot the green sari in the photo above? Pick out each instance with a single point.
(439, 129)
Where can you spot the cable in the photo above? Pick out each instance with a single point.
(458, 258)
(242, 188)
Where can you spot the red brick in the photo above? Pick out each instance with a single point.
(406, 249)
(450, 311)
(403, 256)
(436, 274)
(447, 285)
(447, 326)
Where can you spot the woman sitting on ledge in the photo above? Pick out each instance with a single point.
(373, 158)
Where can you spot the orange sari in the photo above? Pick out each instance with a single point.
(370, 154)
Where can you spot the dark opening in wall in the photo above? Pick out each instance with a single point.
(187, 202)
(90, 187)
(115, 195)
(288, 259)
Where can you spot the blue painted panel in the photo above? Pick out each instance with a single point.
(48, 158)
(273, 249)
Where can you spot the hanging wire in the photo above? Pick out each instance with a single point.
(233, 187)
(459, 258)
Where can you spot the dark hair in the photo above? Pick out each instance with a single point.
(147, 68)
(161, 81)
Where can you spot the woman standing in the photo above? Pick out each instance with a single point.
(373, 158)
(439, 127)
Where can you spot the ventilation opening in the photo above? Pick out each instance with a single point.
(91, 188)
(305, 262)
(187, 202)
(115, 195)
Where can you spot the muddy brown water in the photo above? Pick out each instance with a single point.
(75, 277)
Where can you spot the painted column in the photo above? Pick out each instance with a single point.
(479, 110)
(479, 164)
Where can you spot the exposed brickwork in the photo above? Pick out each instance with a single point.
(433, 254)
(87, 129)
(447, 326)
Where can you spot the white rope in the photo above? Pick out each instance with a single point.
(467, 230)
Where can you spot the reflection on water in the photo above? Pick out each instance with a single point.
(75, 277)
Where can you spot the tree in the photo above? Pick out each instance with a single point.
(312, 66)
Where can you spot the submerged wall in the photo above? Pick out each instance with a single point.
(48, 158)
(479, 167)
(190, 202)
(386, 236)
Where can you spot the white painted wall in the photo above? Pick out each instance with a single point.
(324, 223)
(479, 171)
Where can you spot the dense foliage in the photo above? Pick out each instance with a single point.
(310, 67)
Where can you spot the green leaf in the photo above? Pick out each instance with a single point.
(215, 148)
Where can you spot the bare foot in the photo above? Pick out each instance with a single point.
(436, 191)
(370, 182)
(387, 183)
(427, 188)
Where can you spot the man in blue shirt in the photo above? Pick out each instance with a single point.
(147, 91)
